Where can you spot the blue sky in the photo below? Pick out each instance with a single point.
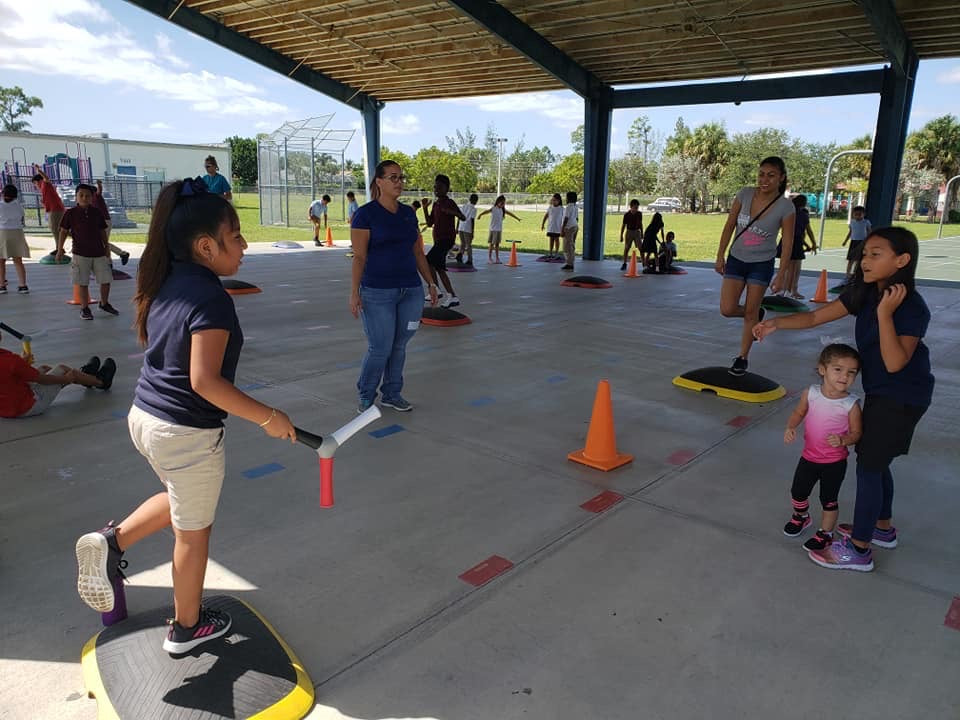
(148, 79)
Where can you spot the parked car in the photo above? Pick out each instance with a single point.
(665, 204)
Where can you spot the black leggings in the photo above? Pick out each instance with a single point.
(830, 476)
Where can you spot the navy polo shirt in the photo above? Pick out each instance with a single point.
(390, 259)
(191, 299)
(913, 385)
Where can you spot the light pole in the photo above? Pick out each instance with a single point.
(500, 142)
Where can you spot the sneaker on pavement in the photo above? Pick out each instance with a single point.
(623, 267)
(796, 525)
(106, 372)
(108, 308)
(100, 562)
(739, 366)
(211, 625)
(86, 314)
(363, 406)
(819, 541)
(397, 403)
(841, 555)
(567, 267)
(124, 257)
(881, 538)
(23, 290)
(91, 366)
(452, 301)
(3, 289)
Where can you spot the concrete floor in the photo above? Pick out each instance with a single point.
(683, 601)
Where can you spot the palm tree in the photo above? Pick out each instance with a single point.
(938, 146)
(709, 146)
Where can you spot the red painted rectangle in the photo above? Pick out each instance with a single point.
(603, 501)
(484, 572)
(681, 457)
(952, 620)
(739, 421)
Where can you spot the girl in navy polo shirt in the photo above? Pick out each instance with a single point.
(188, 325)
(892, 320)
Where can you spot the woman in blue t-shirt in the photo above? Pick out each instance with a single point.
(187, 323)
(892, 320)
(385, 290)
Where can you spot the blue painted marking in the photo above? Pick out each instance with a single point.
(481, 336)
(389, 430)
(613, 359)
(119, 415)
(252, 386)
(481, 401)
(556, 378)
(535, 324)
(346, 365)
(262, 470)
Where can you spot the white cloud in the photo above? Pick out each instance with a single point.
(39, 34)
(159, 126)
(766, 120)
(950, 76)
(408, 124)
(565, 112)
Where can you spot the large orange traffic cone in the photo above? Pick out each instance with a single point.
(632, 272)
(329, 237)
(601, 450)
(513, 255)
(76, 297)
(820, 296)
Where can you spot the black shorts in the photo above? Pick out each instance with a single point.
(888, 427)
(437, 257)
(855, 251)
(829, 475)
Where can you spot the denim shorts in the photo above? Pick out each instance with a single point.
(752, 273)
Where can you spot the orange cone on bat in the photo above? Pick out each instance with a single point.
(601, 449)
(329, 237)
(513, 256)
(632, 272)
(820, 296)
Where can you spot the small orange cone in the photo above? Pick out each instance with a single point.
(513, 256)
(76, 297)
(601, 450)
(820, 296)
(632, 272)
(329, 237)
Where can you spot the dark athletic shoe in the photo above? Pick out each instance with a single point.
(106, 372)
(397, 403)
(99, 562)
(567, 267)
(623, 267)
(92, 366)
(86, 314)
(23, 290)
(108, 308)
(739, 367)
(796, 525)
(124, 257)
(211, 625)
(819, 541)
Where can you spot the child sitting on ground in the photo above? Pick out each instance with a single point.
(26, 391)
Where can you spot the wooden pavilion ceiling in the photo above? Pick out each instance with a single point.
(420, 49)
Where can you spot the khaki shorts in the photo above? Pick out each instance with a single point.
(44, 395)
(495, 237)
(81, 268)
(189, 461)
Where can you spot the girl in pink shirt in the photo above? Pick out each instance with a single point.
(832, 421)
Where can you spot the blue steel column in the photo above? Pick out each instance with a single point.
(891, 135)
(370, 123)
(598, 111)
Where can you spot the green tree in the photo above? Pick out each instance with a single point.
(677, 143)
(746, 150)
(400, 158)
(566, 175)
(243, 159)
(917, 181)
(630, 174)
(576, 139)
(678, 176)
(461, 141)
(708, 145)
(14, 104)
(639, 137)
(938, 146)
(431, 161)
(521, 165)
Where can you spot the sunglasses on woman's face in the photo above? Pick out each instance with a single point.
(395, 178)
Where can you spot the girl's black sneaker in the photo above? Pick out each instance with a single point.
(211, 625)
(819, 540)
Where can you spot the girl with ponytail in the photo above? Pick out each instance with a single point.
(758, 215)
(188, 326)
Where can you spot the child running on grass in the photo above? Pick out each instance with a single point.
(892, 319)
(189, 327)
(832, 422)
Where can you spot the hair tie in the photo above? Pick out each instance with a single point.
(827, 340)
(192, 187)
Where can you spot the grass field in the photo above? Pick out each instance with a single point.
(697, 236)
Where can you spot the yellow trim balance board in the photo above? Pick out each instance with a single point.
(717, 380)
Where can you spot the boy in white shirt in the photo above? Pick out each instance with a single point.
(318, 209)
(569, 230)
(13, 242)
(465, 229)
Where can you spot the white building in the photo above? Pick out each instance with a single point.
(109, 156)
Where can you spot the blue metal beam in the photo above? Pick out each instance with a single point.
(370, 121)
(213, 31)
(848, 83)
(526, 41)
(889, 30)
(597, 116)
(889, 140)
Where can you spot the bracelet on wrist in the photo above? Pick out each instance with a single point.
(273, 414)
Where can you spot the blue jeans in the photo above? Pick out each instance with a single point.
(390, 318)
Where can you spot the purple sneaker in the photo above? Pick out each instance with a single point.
(881, 538)
(841, 555)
